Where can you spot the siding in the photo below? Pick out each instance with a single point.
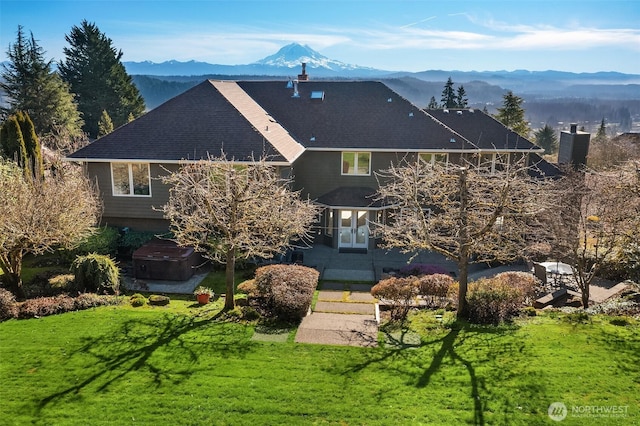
(131, 207)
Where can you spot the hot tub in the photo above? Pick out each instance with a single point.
(164, 260)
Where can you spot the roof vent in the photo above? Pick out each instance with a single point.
(312, 138)
(317, 95)
(296, 94)
(471, 110)
(289, 84)
(446, 111)
(411, 114)
(389, 100)
(459, 112)
(452, 140)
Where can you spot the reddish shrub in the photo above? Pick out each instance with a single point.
(249, 288)
(43, 306)
(434, 289)
(419, 269)
(8, 307)
(398, 293)
(286, 290)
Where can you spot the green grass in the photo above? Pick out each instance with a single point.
(179, 365)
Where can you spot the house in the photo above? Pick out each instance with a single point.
(329, 136)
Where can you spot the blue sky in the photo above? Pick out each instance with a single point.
(567, 35)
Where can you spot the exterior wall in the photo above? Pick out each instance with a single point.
(319, 172)
(136, 212)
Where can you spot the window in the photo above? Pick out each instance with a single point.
(356, 163)
(432, 157)
(131, 179)
(493, 162)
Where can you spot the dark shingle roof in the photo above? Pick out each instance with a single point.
(481, 129)
(198, 123)
(352, 115)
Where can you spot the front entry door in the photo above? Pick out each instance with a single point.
(354, 232)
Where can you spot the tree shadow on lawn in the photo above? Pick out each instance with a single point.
(464, 344)
(129, 349)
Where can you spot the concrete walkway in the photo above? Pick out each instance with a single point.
(341, 317)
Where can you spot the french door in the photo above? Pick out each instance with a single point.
(354, 230)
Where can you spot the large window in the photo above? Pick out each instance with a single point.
(131, 179)
(356, 163)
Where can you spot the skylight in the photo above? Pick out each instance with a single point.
(317, 94)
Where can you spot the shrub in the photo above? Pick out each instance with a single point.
(399, 293)
(286, 290)
(8, 307)
(434, 289)
(419, 269)
(131, 241)
(104, 241)
(62, 282)
(40, 284)
(44, 306)
(96, 273)
(158, 300)
(523, 282)
(92, 300)
(497, 299)
(137, 300)
(249, 288)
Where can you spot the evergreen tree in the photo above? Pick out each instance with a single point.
(546, 138)
(461, 97)
(433, 104)
(20, 144)
(13, 146)
(98, 78)
(105, 125)
(449, 95)
(512, 114)
(31, 86)
(601, 134)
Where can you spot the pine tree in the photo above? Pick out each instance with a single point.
(547, 139)
(601, 134)
(433, 104)
(461, 97)
(448, 95)
(98, 78)
(105, 125)
(512, 115)
(31, 86)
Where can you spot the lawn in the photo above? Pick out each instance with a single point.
(180, 365)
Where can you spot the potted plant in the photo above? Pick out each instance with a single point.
(203, 294)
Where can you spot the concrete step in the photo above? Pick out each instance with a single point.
(345, 308)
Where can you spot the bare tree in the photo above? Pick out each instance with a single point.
(38, 216)
(466, 213)
(595, 214)
(230, 211)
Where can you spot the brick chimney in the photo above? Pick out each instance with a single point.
(303, 76)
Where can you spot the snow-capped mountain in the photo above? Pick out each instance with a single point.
(294, 54)
(285, 62)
